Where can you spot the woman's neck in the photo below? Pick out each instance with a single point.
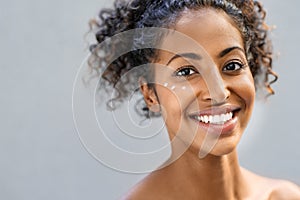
(213, 177)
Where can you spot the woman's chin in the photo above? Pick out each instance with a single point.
(223, 151)
(220, 147)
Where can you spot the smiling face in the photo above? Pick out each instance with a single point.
(204, 92)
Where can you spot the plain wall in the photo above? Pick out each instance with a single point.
(42, 46)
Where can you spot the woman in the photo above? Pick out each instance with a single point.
(204, 93)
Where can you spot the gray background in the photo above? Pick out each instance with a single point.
(41, 48)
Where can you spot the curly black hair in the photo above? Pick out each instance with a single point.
(126, 15)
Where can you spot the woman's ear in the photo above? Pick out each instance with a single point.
(149, 96)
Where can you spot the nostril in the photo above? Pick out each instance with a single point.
(216, 93)
(219, 99)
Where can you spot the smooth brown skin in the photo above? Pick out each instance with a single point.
(218, 175)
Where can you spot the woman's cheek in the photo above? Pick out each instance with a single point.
(247, 89)
(171, 108)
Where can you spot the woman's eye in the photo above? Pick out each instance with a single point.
(233, 66)
(185, 72)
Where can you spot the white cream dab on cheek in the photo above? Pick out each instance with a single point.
(173, 87)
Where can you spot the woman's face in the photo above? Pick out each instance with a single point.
(205, 92)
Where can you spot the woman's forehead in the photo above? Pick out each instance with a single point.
(204, 31)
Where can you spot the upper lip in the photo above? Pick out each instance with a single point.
(216, 110)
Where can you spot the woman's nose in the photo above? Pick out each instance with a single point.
(216, 89)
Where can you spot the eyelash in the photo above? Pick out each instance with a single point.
(176, 73)
(240, 64)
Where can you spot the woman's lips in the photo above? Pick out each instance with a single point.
(217, 120)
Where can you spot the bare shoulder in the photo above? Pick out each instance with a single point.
(148, 189)
(139, 191)
(271, 189)
(285, 190)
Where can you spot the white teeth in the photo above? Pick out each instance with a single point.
(215, 119)
(206, 119)
(210, 118)
(223, 117)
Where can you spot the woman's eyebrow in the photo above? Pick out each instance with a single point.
(193, 56)
(228, 50)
